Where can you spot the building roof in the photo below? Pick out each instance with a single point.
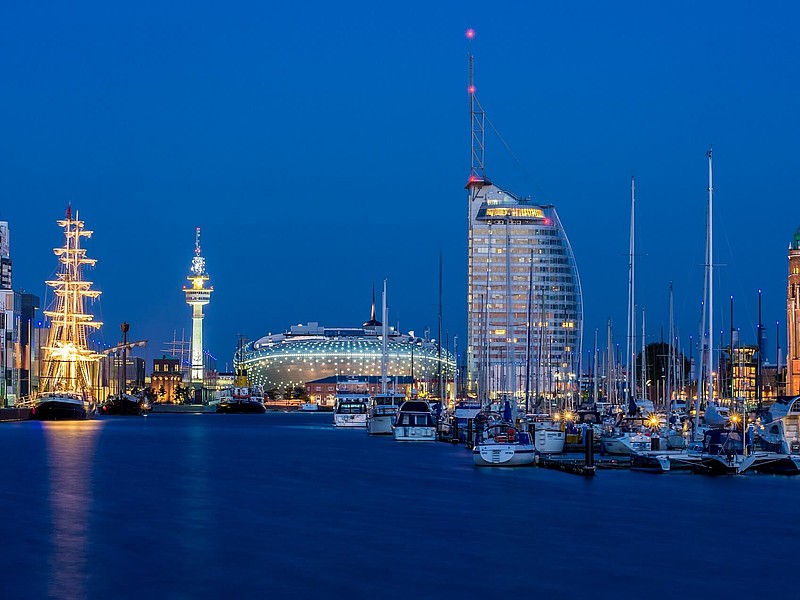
(400, 380)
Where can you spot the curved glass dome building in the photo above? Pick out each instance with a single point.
(311, 352)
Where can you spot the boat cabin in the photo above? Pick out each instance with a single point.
(723, 442)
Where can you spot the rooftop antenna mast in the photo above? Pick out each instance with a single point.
(477, 171)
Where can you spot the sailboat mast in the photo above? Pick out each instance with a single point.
(760, 363)
(541, 347)
(384, 342)
(511, 379)
(594, 369)
(710, 365)
(528, 339)
(708, 313)
(610, 364)
(441, 371)
(670, 357)
(643, 376)
(630, 348)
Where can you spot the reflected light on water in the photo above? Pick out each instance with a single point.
(70, 452)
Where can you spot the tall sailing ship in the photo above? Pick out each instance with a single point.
(66, 390)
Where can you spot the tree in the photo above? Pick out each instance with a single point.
(150, 394)
(657, 364)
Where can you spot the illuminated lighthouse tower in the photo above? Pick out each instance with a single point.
(197, 296)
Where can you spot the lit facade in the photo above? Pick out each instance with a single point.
(793, 318)
(165, 378)
(311, 352)
(525, 305)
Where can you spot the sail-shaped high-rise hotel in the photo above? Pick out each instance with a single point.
(525, 306)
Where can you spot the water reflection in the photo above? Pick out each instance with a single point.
(70, 452)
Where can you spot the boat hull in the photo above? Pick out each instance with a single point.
(778, 464)
(380, 424)
(650, 463)
(723, 465)
(341, 420)
(549, 441)
(123, 406)
(158, 407)
(503, 455)
(410, 433)
(615, 447)
(241, 408)
(59, 410)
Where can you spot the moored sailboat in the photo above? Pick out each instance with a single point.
(123, 403)
(499, 444)
(66, 391)
(383, 407)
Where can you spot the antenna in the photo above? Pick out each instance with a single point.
(477, 171)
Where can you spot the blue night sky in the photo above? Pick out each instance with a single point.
(323, 147)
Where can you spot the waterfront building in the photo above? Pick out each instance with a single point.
(323, 391)
(165, 378)
(112, 372)
(793, 318)
(525, 304)
(24, 373)
(5, 257)
(17, 313)
(6, 314)
(197, 296)
(312, 352)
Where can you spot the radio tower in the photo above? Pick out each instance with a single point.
(197, 296)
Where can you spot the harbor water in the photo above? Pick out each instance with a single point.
(283, 505)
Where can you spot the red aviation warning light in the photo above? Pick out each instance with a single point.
(471, 89)
(470, 33)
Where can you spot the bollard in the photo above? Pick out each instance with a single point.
(454, 436)
(470, 433)
(590, 447)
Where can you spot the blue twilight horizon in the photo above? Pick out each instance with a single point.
(323, 149)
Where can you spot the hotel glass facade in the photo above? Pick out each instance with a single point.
(525, 306)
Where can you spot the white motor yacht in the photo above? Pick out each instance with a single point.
(415, 422)
(350, 412)
(382, 413)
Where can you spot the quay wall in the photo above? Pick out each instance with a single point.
(14, 414)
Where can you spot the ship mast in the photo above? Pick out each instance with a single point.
(630, 350)
(67, 358)
(708, 308)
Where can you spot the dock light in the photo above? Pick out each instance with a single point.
(735, 419)
(557, 417)
(653, 421)
(568, 416)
